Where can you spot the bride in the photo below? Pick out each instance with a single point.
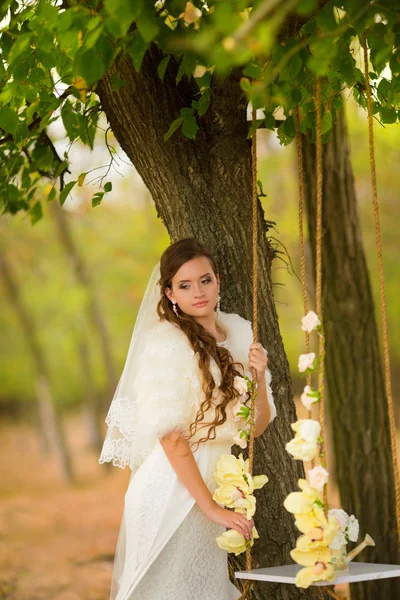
(172, 416)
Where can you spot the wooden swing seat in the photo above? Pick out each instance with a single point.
(356, 571)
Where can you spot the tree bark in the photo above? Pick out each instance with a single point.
(202, 189)
(354, 373)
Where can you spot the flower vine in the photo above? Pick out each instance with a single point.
(321, 550)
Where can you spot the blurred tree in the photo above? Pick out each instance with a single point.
(50, 427)
(174, 79)
(95, 404)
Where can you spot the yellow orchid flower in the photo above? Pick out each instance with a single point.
(318, 537)
(311, 520)
(246, 506)
(259, 481)
(234, 541)
(319, 572)
(299, 503)
(318, 566)
(227, 494)
(231, 470)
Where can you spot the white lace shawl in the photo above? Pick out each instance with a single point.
(167, 391)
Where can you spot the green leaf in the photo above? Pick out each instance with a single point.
(97, 198)
(124, 12)
(89, 65)
(326, 122)
(269, 121)
(173, 127)
(296, 96)
(66, 190)
(162, 67)
(36, 213)
(283, 137)
(294, 65)
(253, 127)
(290, 126)
(190, 127)
(8, 120)
(388, 114)
(204, 102)
(253, 70)
(20, 45)
(137, 50)
(147, 25)
(108, 187)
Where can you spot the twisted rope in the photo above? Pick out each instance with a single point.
(318, 275)
(249, 584)
(303, 274)
(388, 384)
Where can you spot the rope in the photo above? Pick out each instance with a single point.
(388, 384)
(318, 276)
(249, 584)
(303, 276)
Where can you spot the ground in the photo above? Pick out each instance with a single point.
(58, 540)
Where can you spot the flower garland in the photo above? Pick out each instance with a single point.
(236, 484)
(321, 550)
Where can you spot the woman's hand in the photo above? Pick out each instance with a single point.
(259, 360)
(231, 520)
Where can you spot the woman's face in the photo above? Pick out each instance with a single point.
(194, 283)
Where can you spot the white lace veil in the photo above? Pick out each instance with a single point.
(121, 445)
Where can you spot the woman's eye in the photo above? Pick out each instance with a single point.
(185, 287)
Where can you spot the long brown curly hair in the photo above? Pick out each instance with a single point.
(202, 342)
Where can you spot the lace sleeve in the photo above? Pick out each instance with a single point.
(160, 400)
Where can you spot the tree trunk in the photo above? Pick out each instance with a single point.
(355, 380)
(47, 415)
(94, 312)
(202, 188)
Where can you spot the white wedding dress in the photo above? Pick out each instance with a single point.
(167, 547)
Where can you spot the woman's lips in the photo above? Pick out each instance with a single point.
(200, 304)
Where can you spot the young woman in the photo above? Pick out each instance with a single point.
(172, 416)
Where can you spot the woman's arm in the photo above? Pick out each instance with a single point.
(183, 462)
(263, 409)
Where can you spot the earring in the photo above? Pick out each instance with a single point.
(175, 309)
(218, 304)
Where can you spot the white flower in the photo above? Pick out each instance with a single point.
(341, 516)
(317, 477)
(338, 541)
(301, 450)
(310, 322)
(353, 528)
(308, 429)
(240, 384)
(306, 399)
(306, 361)
(304, 446)
(242, 442)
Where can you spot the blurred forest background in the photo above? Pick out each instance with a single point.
(118, 243)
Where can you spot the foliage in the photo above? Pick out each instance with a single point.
(118, 254)
(54, 54)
